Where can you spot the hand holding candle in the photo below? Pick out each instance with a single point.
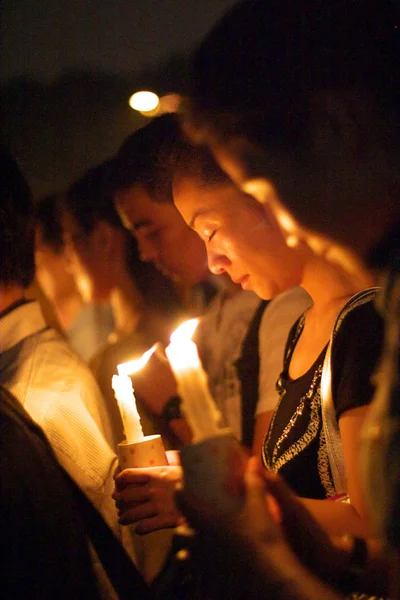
(213, 465)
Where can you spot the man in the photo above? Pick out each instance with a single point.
(37, 366)
(143, 195)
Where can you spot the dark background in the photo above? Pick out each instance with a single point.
(70, 66)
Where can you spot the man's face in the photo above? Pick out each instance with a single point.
(163, 236)
(242, 237)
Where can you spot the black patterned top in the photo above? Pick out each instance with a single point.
(295, 443)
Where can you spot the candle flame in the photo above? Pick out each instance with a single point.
(185, 331)
(131, 367)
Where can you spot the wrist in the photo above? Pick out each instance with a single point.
(172, 409)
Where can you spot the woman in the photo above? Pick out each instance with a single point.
(244, 240)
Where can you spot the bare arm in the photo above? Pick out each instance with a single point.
(339, 518)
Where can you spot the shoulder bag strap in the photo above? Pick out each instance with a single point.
(330, 423)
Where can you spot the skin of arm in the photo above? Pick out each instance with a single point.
(339, 518)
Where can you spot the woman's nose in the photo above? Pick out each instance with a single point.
(147, 251)
(217, 263)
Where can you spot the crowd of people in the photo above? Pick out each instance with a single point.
(268, 207)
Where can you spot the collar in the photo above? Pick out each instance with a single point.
(24, 320)
(13, 306)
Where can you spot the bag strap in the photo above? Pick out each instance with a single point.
(329, 421)
(122, 573)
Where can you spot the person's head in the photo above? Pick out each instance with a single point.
(96, 244)
(306, 95)
(17, 264)
(241, 235)
(143, 196)
(52, 271)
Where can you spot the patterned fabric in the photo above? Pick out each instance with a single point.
(296, 430)
(295, 444)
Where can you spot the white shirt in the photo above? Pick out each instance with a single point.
(60, 393)
(278, 318)
(220, 336)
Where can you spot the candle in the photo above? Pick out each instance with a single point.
(131, 367)
(123, 390)
(197, 404)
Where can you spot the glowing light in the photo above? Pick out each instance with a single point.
(292, 241)
(123, 391)
(197, 404)
(144, 101)
(263, 191)
(131, 367)
(260, 189)
(185, 331)
(124, 394)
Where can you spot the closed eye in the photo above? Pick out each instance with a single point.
(210, 237)
(153, 234)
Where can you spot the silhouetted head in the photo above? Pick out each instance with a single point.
(17, 265)
(306, 95)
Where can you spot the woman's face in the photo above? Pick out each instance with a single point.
(88, 257)
(242, 237)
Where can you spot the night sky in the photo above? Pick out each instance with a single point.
(42, 38)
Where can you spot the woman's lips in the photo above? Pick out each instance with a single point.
(243, 281)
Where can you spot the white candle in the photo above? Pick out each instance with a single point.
(197, 404)
(122, 386)
(123, 390)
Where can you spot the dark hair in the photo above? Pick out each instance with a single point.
(47, 215)
(255, 71)
(17, 263)
(89, 198)
(187, 160)
(155, 153)
(144, 158)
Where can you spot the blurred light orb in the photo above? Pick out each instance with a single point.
(144, 101)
